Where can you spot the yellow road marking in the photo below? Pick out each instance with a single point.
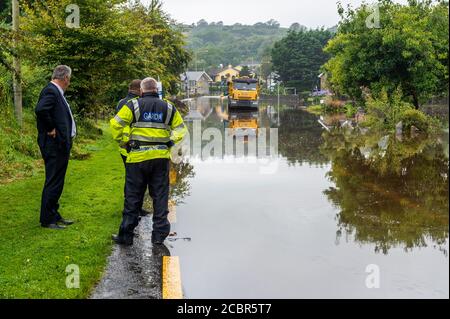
(171, 278)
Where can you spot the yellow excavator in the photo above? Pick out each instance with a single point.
(243, 93)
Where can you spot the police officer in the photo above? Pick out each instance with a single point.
(155, 127)
(134, 92)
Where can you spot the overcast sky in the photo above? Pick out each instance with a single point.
(310, 13)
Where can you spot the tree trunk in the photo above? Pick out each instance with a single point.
(17, 85)
(416, 100)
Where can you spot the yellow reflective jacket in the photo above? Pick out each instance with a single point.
(126, 131)
(155, 125)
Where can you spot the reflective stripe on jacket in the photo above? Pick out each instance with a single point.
(126, 132)
(152, 122)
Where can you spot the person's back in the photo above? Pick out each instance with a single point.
(153, 123)
(133, 93)
(155, 126)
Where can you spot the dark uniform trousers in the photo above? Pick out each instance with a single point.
(153, 174)
(124, 160)
(56, 159)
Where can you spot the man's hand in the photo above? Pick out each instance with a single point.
(52, 133)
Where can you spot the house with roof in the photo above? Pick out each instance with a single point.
(226, 74)
(196, 82)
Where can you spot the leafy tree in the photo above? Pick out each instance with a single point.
(245, 71)
(231, 44)
(5, 11)
(409, 50)
(296, 27)
(5, 34)
(297, 58)
(273, 23)
(202, 23)
(113, 45)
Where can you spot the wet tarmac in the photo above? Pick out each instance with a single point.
(134, 272)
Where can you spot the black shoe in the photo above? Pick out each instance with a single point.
(144, 212)
(120, 241)
(65, 222)
(54, 226)
(157, 242)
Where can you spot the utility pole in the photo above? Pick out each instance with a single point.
(17, 78)
(278, 94)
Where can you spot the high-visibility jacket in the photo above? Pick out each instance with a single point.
(126, 131)
(155, 124)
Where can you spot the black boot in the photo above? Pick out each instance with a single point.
(121, 241)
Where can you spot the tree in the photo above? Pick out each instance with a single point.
(297, 58)
(113, 45)
(232, 44)
(297, 27)
(202, 23)
(273, 23)
(5, 11)
(5, 34)
(409, 51)
(245, 71)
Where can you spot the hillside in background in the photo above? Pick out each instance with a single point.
(214, 43)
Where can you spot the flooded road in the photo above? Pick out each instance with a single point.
(340, 215)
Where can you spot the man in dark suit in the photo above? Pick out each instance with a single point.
(56, 130)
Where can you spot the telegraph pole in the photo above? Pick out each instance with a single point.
(17, 85)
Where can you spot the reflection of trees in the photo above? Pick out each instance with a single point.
(179, 184)
(391, 196)
(182, 172)
(299, 138)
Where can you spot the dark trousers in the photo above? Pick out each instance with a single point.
(124, 159)
(56, 159)
(154, 175)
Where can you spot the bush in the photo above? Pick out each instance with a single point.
(315, 109)
(334, 106)
(34, 80)
(386, 110)
(415, 118)
(350, 110)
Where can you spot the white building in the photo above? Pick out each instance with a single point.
(196, 82)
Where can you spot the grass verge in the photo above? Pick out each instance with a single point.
(33, 259)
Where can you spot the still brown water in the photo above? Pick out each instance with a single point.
(338, 215)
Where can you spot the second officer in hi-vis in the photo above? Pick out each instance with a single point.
(155, 127)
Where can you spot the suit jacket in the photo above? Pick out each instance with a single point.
(53, 113)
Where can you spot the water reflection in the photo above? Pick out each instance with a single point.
(385, 194)
(180, 175)
(300, 137)
(390, 193)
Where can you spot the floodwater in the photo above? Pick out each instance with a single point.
(328, 215)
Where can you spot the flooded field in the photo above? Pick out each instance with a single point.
(337, 215)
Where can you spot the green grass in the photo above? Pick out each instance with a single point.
(315, 109)
(19, 153)
(33, 259)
